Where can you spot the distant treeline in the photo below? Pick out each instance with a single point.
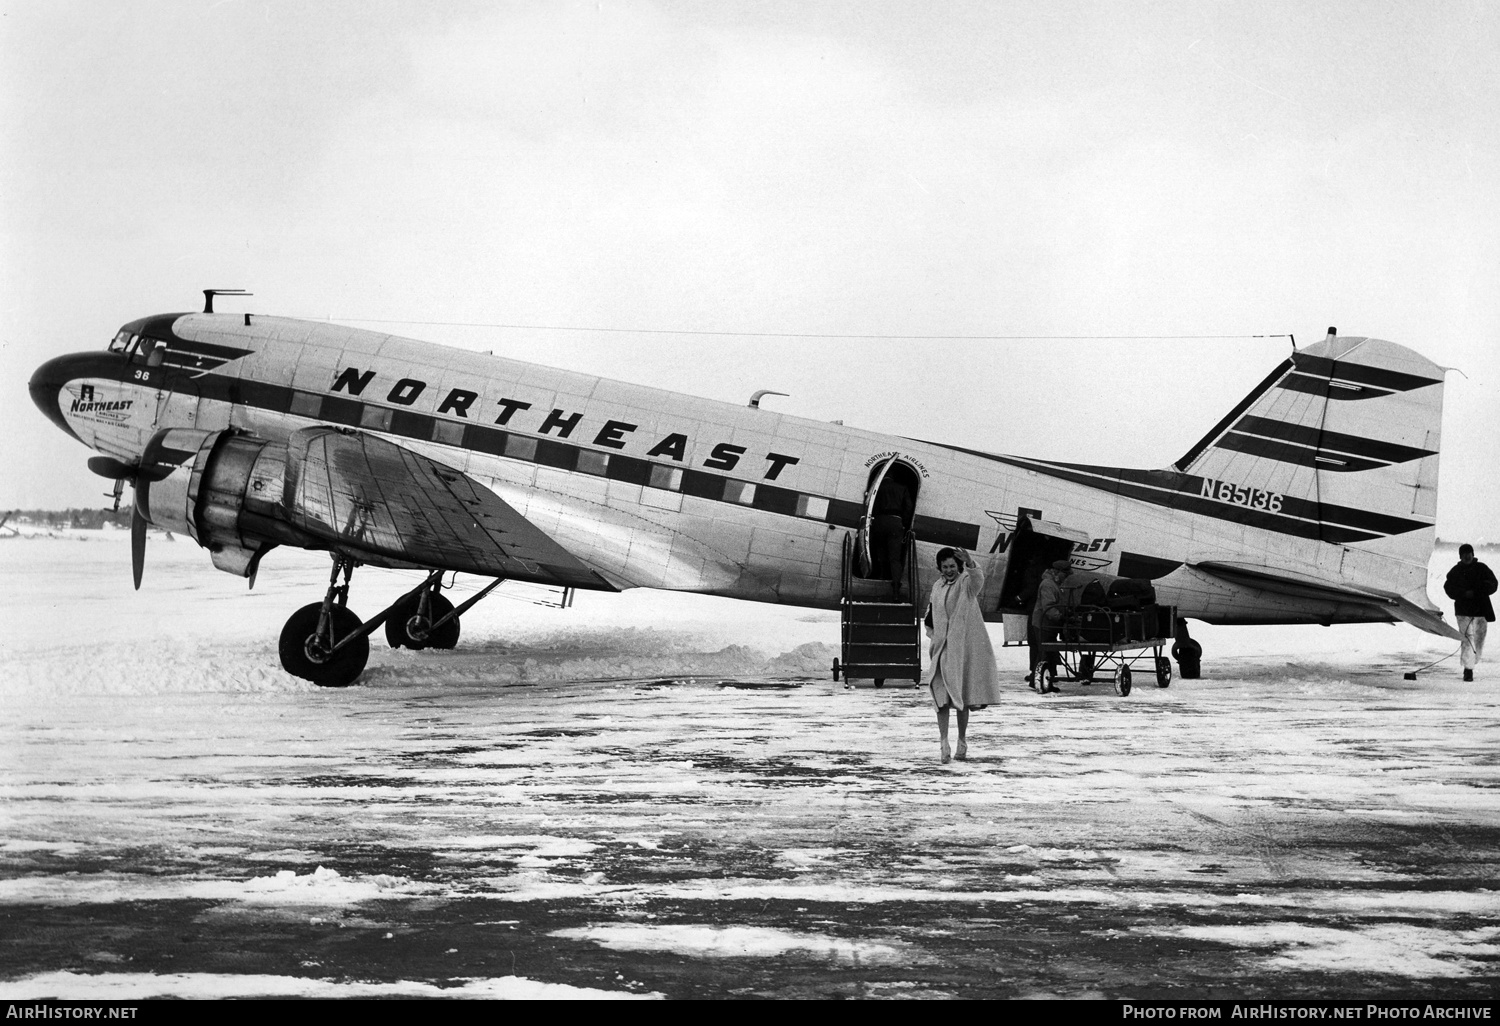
(84, 519)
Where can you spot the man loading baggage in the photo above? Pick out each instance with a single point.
(1046, 619)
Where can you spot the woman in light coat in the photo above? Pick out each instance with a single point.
(962, 674)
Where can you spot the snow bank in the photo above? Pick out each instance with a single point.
(65, 986)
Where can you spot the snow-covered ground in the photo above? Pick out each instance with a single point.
(664, 794)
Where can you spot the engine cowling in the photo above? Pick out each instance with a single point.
(222, 488)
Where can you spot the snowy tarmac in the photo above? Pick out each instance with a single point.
(664, 795)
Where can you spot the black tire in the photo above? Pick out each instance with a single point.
(1163, 672)
(1043, 677)
(336, 671)
(445, 636)
(395, 624)
(398, 633)
(1189, 656)
(1122, 682)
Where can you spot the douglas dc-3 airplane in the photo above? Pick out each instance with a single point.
(1312, 501)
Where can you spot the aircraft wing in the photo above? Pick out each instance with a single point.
(1411, 609)
(368, 497)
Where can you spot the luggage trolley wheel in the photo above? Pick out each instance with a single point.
(1163, 672)
(1043, 677)
(1122, 681)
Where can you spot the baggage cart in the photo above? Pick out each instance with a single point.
(1096, 643)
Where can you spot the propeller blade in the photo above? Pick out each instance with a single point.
(137, 544)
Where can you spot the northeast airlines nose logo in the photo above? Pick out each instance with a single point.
(89, 406)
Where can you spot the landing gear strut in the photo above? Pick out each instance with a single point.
(423, 620)
(327, 644)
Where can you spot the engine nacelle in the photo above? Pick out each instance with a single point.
(221, 488)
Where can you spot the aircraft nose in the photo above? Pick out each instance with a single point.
(46, 388)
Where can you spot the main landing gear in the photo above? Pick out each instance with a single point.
(325, 643)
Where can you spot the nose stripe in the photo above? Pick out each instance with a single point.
(49, 380)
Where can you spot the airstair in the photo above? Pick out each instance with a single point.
(881, 638)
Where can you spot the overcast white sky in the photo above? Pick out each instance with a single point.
(903, 168)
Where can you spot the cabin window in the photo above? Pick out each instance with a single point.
(593, 462)
(445, 432)
(305, 404)
(519, 448)
(669, 478)
(742, 492)
(375, 418)
(812, 506)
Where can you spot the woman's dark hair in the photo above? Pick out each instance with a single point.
(948, 554)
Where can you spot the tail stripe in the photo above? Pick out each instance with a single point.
(1361, 374)
(1282, 452)
(1313, 447)
(1221, 500)
(1331, 389)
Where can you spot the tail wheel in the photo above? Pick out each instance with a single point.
(1163, 672)
(1189, 658)
(305, 654)
(401, 632)
(1122, 681)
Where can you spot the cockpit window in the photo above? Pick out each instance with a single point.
(121, 342)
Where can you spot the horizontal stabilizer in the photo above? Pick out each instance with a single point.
(1425, 620)
(1420, 614)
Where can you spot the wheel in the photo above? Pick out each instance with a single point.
(1043, 677)
(445, 636)
(301, 649)
(1163, 672)
(1122, 681)
(395, 624)
(1189, 655)
(401, 632)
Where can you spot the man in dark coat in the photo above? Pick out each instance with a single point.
(1470, 585)
(891, 519)
(1046, 618)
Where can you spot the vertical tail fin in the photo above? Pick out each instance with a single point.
(1345, 436)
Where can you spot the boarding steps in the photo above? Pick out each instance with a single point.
(881, 639)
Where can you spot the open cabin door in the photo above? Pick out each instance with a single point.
(896, 477)
(866, 560)
(1035, 545)
(880, 637)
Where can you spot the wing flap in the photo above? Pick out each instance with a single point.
(366, 495)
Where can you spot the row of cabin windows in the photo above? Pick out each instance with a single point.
(554, 453)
